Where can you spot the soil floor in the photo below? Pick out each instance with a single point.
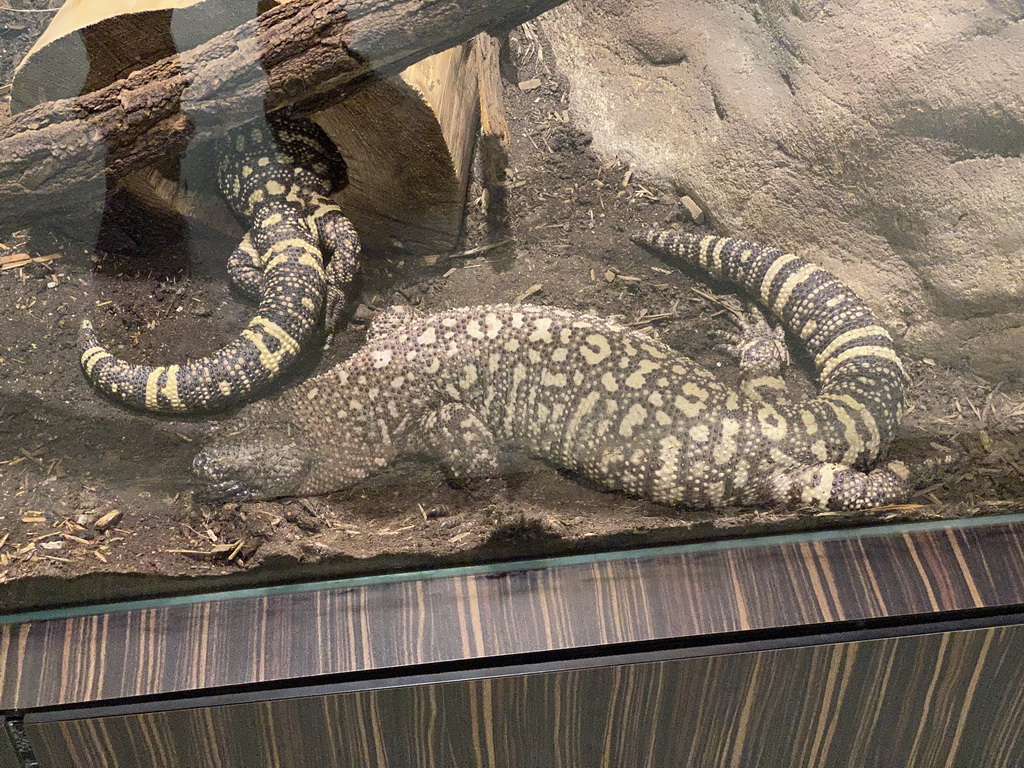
(94, 500)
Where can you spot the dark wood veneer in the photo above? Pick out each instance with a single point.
(941, 699)
(362, 627)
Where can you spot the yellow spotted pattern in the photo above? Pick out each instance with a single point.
(593, 396)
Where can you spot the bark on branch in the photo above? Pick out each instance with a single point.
(303, 53)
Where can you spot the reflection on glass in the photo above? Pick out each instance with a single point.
(351, 308)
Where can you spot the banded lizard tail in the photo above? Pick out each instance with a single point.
(277, 175)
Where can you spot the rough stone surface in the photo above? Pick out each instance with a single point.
(881, 140)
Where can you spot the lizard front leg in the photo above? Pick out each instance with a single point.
(761, 351)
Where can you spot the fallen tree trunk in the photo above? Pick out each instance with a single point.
(303, 54)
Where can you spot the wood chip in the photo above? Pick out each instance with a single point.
(529, 292)
(107, 520)
(236, 550)
(15, 260)
(986, 441)
(694, 211)
(529, 85)
(33, 519)
(100, 556)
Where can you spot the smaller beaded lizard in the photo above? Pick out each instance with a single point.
(276, 174)
(590, 395)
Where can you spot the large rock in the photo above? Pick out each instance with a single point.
(880, 139)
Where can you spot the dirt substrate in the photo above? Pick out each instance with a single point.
(94, 501)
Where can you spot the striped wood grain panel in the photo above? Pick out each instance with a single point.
(8, 757)
(945, 699)
(687, 592)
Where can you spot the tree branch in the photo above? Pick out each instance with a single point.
(302, 54)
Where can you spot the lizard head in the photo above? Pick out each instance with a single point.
(251, 464)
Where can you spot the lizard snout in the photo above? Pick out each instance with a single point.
(211, 481)
(246, 466)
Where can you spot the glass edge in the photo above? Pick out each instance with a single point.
(511, 566)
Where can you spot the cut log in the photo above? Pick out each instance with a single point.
(304, 53)
(407, 140)
(408, 143)
(495, 138)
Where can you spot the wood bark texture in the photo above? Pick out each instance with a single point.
(495, 138)
(304, 54)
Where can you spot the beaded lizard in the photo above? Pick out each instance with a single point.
(591, 395)
(276, 174)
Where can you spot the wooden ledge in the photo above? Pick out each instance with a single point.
(363, 625)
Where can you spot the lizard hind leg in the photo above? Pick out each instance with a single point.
(341, 248)
(457, 438)
(245, 269)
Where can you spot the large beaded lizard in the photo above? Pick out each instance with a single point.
(591, 395)
(277, 175)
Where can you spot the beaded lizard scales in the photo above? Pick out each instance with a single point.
(593, 396)
(277, 175)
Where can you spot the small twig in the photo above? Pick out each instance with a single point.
(46, 536)
(893, 507)
(236, 550)
(480, 249)
(648, 319)
(529, 292)
(29, 456)
(725, 304)
(432, 258)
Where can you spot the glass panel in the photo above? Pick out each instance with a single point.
(356, 311)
